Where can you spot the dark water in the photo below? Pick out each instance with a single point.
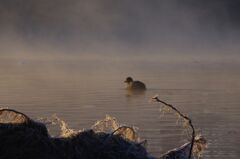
(83, 91)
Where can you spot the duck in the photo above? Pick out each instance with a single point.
(134, 85)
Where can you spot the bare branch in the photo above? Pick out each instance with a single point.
(183, 116)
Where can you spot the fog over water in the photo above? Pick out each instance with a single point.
(70, 58)
(127, 26)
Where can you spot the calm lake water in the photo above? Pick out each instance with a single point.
(83, 91)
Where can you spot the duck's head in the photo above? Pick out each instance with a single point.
(128, 80)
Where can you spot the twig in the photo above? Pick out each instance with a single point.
(126, 127)
(27, 119)
(183, 116)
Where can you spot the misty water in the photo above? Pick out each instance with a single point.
(82, 90)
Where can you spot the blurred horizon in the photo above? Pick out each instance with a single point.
(166, 28)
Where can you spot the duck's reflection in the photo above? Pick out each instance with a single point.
(135, 93)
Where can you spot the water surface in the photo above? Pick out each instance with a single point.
(83, 91)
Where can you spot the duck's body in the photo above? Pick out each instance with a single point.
(134, 85)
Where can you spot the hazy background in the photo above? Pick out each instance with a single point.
(121, 28)
(70, 57)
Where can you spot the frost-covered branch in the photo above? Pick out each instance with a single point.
(184, 117)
